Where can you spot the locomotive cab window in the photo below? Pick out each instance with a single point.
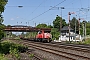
(39, 32)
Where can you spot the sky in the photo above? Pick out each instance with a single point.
(44, 11)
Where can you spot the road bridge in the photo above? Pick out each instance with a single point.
(21, 28)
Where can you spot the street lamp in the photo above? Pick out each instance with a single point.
(69, 22)
(61, 15)
(61, 18)
(75, 28)
(20, 6)
(79, 26)
(84, 29)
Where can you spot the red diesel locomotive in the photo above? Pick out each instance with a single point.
(43, 36)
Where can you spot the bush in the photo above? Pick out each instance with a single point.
(2, 57)
(14, 49)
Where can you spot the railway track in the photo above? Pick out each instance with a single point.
(35, 56)
(66, 51)
(81, 47)
(75, 45)
(48, 48)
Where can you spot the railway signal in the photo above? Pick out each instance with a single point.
(69, 23)
(79, 25)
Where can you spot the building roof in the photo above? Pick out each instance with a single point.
(66, 28)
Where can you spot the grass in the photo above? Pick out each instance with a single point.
(2, 57)
(87, 41)
(31, 55)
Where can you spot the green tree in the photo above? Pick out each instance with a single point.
(1, 30)
(56, 22)
(88, 28)
(41, 26)
(56, 26)
(55, 33)
(8, 25)
(72, 23)
(2, 7)
(50, 26)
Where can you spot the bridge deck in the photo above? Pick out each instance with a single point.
(26, 29)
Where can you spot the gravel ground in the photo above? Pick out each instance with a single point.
(46, 55)
(73, 51)
(24, 56)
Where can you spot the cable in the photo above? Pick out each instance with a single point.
(38, 6)
(64, 15)
(47, 10)
(81, 3)
(88, 3)
(65, 8)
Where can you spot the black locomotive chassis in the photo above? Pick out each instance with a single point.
(43, 39)
(38, 39)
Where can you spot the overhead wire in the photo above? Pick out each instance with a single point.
(38, 6)
(47, 10)
(78, 12)
(88, 3)
(70, 8)
(81, 3)
(65, 8)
